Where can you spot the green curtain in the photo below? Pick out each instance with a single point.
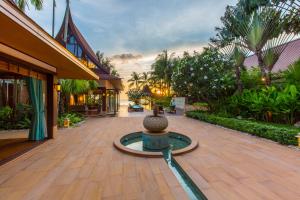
(38, 127)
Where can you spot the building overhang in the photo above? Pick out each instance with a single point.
(21, 38)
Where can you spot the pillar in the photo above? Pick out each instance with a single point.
(104, 100)
(52, 106)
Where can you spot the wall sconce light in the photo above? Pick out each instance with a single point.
(263, 79)
(57, 87)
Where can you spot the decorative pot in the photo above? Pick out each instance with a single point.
(155, 124)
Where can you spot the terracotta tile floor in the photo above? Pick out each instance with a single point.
(83, 164)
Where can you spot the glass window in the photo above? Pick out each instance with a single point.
(71, 48)
(72, 40)
(79, 51)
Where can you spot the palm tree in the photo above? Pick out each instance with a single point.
(135, 80)
(74, 87)
(253, 29)
(233, 51)
(114, 72)
(144, 78)
(22, 4)
(106, 62)
(163, 69)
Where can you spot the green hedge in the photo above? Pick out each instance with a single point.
(276, 133)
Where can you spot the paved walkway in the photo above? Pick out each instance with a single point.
(83, 164)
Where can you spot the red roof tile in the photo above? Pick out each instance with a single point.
(288, 56)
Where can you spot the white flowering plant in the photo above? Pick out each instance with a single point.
(206, 76)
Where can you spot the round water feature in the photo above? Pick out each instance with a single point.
(136, 143)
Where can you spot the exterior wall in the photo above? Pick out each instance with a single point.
(49, 94)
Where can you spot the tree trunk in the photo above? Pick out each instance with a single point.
(261, 66)
(238, 79)
(269, 77)
(2, 94)
(61, 104)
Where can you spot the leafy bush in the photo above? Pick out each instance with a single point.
(163, 101)
(18, 118)
(292, 74)
(206, 76)
(23, 111)
(251, 78)
(267, 104)
(283, 135)
(74, 118)
(200, 104)
(6, 113)
(25, 123)
(135, 95)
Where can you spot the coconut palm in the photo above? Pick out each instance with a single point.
(144, 78)
(163, 69)
(22, 4)
(135, 81)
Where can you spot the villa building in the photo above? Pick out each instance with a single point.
(30, 57)
(110, 86)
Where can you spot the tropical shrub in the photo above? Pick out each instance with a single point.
(292, 74)
(267, 104)
(251, 78)
(162, 101)
(74, 118)
(6, 113)
(18, 118)
(283, 135)
(23, 111)
(206, 76)
(135, 95)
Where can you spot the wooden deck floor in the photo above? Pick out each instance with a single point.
(83, 164)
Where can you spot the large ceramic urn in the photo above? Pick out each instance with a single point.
(155, 137)
(155, 124)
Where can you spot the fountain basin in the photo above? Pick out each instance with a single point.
(155, 141)
(132, 143)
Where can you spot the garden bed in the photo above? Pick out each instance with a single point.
(278, 133)
(74, 119)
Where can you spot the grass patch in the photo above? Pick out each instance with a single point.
(279, 133)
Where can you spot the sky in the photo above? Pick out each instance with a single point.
(133, 32)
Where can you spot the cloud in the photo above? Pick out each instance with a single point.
(125, 57)
(143, 28)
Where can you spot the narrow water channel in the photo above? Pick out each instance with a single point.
(183, 178)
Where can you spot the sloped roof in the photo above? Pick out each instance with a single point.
(80, 39)
(39, 49)
(290, 54)
(105, 76)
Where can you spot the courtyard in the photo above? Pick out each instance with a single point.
(83, 164)
(150, 100)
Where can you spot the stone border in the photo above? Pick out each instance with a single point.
(117, 143)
